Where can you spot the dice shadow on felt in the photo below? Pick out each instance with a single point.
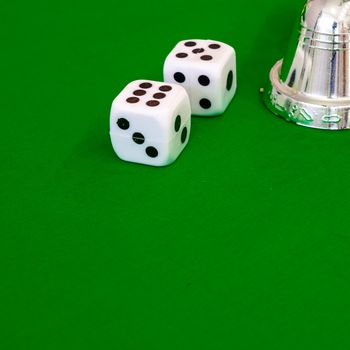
(95, 144)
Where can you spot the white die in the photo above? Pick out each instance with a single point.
(150, 122)
(207, 70)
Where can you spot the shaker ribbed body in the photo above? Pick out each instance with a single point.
(311, 85)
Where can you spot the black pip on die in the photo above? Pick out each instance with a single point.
(207, 70)
(150, 122)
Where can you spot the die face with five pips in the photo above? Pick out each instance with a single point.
(150, 122)
(207, 70)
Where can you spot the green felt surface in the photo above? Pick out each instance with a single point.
(243, 243)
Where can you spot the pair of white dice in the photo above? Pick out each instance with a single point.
(150, 121)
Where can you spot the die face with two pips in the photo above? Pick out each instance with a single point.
(207, 70)
(150, 122)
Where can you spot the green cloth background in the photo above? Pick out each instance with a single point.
(243, 243)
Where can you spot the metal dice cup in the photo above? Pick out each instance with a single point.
(311, 85)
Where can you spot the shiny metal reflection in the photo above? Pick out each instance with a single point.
(311, 85)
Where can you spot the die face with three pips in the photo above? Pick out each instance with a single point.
(207, 70)
(150, 122)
